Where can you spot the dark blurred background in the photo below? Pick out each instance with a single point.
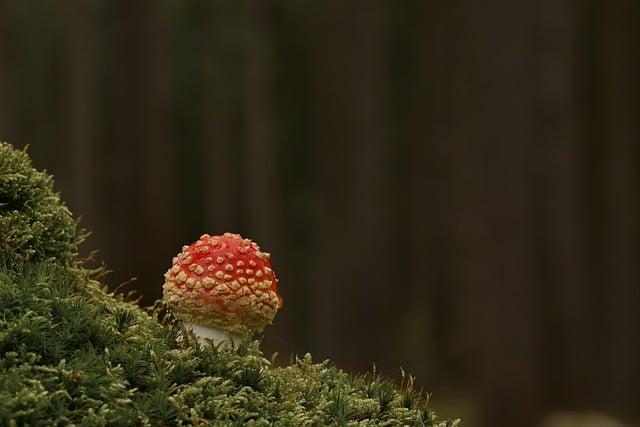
(449, 187)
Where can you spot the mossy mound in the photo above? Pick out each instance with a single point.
(73, 354)
(34, 223)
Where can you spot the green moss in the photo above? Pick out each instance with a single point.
(34, 223)
(71, 353)
(75, 354)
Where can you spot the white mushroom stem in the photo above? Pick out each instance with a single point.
(205, 333)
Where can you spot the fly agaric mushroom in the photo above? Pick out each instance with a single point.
(222, 287)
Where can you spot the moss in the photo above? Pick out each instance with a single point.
(34, 223)
(75, 354)
(72, 353)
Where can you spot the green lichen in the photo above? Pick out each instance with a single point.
(73, 354)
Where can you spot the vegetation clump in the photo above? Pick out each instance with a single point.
(73, 354)
(34, 223)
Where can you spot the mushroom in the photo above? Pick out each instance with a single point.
(223, 288)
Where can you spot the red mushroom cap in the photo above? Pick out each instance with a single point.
(224, 282)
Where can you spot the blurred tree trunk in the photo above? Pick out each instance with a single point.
(222, 70)
(5, 130)
(261, 153)
(492, 152)
(81, 50)
(353, 289)
(430, 299)
(139, 153)
(620, 106)
(560, 200)
(261, 162)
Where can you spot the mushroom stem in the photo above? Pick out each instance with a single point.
(216, 335)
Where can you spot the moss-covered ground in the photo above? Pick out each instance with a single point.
(72, 353)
